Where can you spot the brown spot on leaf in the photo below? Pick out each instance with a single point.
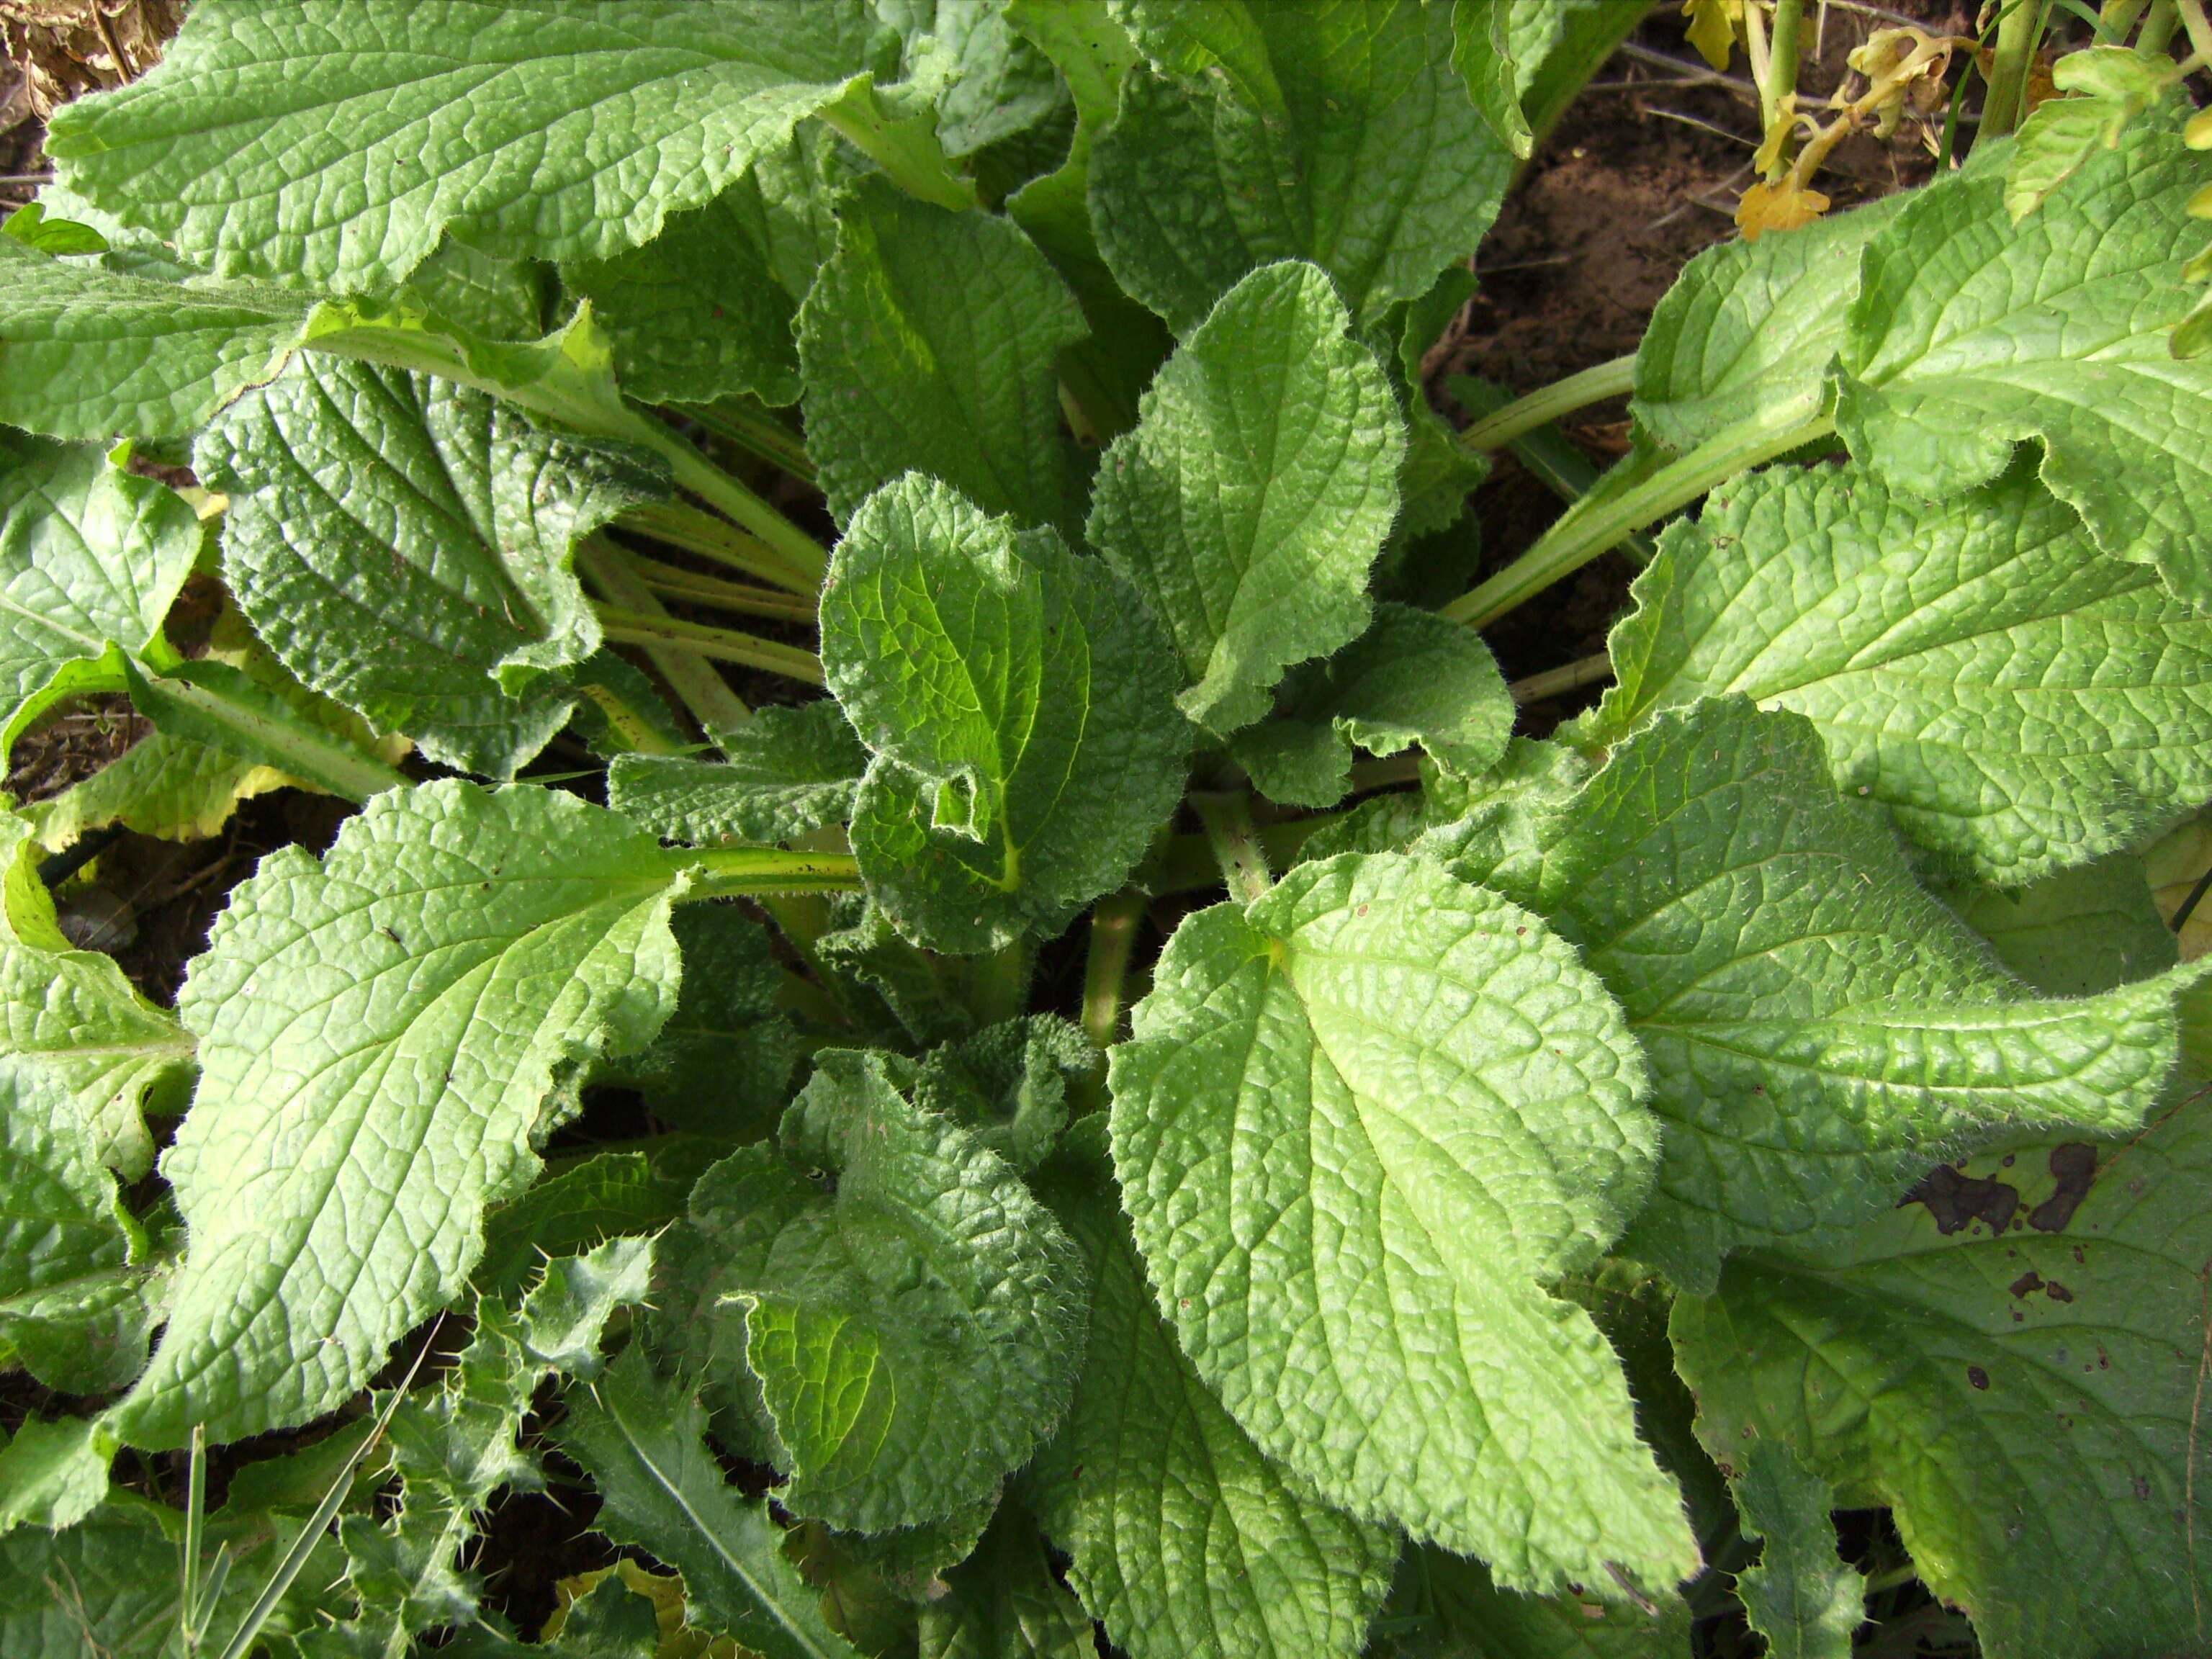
(1977, 1376)
(2027, 1284)
(2075, 1167)
(1956, 1199)
(2058, 1292)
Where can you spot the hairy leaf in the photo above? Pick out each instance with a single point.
(931, 344)
(2011, 1362)
(378, 1029)
(336, 140)
(89, 557)
(1446, 1607)
(1801, 1598)
(2078, 933)
(1189, 1543)
(1358, 1129)
(1818, 1028)
(903, 1341)
(405, 549)
(643, 1443)
(789, 770)
(1255, 491)
(2018, 701)
(1970, 334)
(722, 1064)
(1749, 329)
(1004, 1602)
(1018, 704)
(1338, 132)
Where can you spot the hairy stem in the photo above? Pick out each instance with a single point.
(1549, 403)
(667, 580)
(715, 539)
(1235, 842)
(2017, 32)
(1000, 986)
(1571, 677)
(722, 644)
(1594, 524)
(695, 472)
(734, 871)
(758, 435)
(698, 684)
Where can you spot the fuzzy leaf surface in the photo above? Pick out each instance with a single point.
(337, 140)
(405, 548)
(93, 353)
(1818, 1028)
(89, 557)
(1359, 1128)
(906, 1340)
(1338, 132)
(1970, 334)
(1801, 1597)
(931, 344)
(1749, 328)
(1018, 704)
(378, 1030)
(1005, 1604)
(2077, 932)
(642, 1441)
(2024, 1399)
(1255, 491)
(788, 771)
(1188, 1542)
(2020, 703)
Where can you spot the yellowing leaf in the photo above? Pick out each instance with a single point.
(1783, 206)
(1714, 27)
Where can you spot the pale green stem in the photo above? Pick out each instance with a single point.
(2158, 28)
(725, 493)
(734, 871)
(2200, 32)
(1105, 977)
(668, 581)
(1235, 842)
(1496, 430)
(2115, 18)
(722, 644)
(711, 537)
(1782, 59)
(2017, 31)
(1594, 524)
(698, 684)
(998, 987)
(758, 435)
(1556, 682)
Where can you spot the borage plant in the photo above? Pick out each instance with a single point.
(1522, 1194)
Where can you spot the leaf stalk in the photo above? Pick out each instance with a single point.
(1548, 404)
(1235, 842)
(752, 872)
(722, 644)
(698, 684)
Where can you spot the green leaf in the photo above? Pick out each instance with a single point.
(2112, 85)
(1749, 329)
(491, 299)
(1818, 1027)
(985, 79)
(1007, 1084)
(1004, 1603)
(904, 1340)
(335, 141)
(1340, 133)
(931, 344)
(2018, 701)
(603, 1196)
(1801, 1597)
(93, 354)
(1360, 1127)
(53, 1474)
(697, 313)
(30, 225)
(378, 1029)
(1970, 334)
(2024, 1399)
(454, 1446)
(643, 1442)
(1412, 677)
(789, 770)
(2078, 933)
(1255, 491)
(1446, 1607)
(405, 548)
(722, 1064)
(68, 1248)
(1188, 1542)
(923, 997)
(1018, 705)
(74, 1015)
(1482, 52)
(89, 557)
